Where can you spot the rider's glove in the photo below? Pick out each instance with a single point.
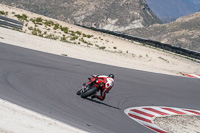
(94, 75)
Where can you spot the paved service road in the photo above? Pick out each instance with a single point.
(47, 84)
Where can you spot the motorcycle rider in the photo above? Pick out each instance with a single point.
(106, 84)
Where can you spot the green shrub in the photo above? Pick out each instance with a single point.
(143, 44)
(38, 23)
(73, 33)
(51, 36)
(102, 47)
(78, 32)
(22, 17)
(38, 30)
(84, 35)
(34, 32)
(74, 38)
(33, 20)
(39, 19)
(82, 40)
(88, 43)
(55, 38)
(30, 28)
(41, 35)
(64, 29)
(89, 36)
(63, 38)
(3, 13)
(114, 47)
(163, 59)
(64, 54)
(56, 26)
(49, 23)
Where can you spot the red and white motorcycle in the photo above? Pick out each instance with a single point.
(90, 88)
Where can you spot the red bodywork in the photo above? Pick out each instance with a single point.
(101, 82)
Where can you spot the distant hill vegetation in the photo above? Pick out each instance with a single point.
(170, 10)
(129, 16)
(184, 32)
(114, 15)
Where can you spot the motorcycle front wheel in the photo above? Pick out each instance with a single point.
(89, 92)
(79, 92)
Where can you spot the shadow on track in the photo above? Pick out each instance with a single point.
(102, 103)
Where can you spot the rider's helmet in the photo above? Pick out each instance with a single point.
(111, 75)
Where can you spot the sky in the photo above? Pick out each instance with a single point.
(173, 9)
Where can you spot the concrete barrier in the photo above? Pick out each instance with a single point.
(11, 23)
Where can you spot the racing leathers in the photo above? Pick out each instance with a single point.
(106, 83)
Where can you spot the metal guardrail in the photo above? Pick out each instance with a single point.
(10, 23)
(168, 47)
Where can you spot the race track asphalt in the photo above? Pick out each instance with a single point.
(47, 84)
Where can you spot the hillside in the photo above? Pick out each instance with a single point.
(184, 32)
(115, 15)
(170, 10)
(65, 39)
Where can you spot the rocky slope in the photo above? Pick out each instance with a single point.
(184, 32)
(115, 15)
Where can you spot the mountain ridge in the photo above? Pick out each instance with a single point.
(184, 32)
(114, 15)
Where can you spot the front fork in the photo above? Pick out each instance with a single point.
(84, 87)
